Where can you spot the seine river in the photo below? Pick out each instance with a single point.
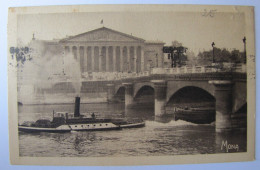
(158, 137)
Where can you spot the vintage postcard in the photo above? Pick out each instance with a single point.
(131, 84)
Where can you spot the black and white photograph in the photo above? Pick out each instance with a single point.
(131, 81)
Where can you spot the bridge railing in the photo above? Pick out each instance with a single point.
(101, 76)
(201, 69)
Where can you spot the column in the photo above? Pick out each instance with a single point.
(81, 59)
(142, 59)
(71, 50)
(74, 53)
(85, 56)
(114, 58)
(159, 97)
(135, 57)
(107, 59)
(162, 59)
(129, 100)
(110, 92)
(128, 58)
(78, 54)
(92, 58)
(99, 58)
(66, 50)
(223, 95)
(121, 58)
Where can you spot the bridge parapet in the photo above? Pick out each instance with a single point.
(217, 68)
(241, 68)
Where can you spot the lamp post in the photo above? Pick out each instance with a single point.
(244, 41)
(213, 58)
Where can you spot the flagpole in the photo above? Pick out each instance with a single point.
(102, 22)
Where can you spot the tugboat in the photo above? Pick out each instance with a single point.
(63, 122)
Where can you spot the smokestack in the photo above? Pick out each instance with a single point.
(77, 107)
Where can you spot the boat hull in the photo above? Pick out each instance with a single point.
(83, 125)
(134, 125)
(38, 129)
(198, 117)
(94, 126)
(100, 129)
(72, 127)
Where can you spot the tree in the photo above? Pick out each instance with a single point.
(176, 44)
(237, 56)
(191, 60)
(179, 56)
(220, 56)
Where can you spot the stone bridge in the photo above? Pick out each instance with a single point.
(228, 90)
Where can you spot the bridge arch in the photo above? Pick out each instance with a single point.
(191, 91)
(144, 90)
(139, 86)
(192, 104)
(242, 109)
(119, 95)
(119, 88)
(144, 97)
(173, 87)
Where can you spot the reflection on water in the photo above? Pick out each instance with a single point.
(160, 136)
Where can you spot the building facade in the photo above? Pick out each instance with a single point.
(107, 50)
(102, 54)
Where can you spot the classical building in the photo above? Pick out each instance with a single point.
(107, 50)
(103, 55)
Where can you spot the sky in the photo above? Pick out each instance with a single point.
(193, 29)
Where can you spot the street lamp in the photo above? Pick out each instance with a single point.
(213, 59)
(244, 41)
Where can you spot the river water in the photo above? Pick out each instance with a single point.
(158, 137)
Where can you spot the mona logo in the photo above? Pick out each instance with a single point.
(226, 146)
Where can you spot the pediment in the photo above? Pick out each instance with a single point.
(102, 34)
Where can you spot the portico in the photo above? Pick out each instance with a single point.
(106, 50)
(103, 58)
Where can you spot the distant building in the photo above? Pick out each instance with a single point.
(102, 54)
(107, 50)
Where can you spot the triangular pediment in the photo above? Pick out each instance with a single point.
(102, 34)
